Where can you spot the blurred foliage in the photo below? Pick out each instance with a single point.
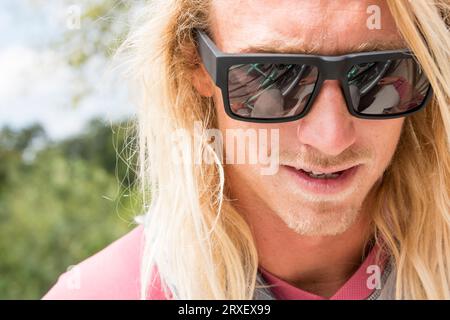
(60, 203)
(90, 32)
(103, 26)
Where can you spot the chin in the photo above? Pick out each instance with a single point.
(322, 220)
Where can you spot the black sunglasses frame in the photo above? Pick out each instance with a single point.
(217, 63)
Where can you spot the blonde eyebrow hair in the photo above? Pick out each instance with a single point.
(280, 47)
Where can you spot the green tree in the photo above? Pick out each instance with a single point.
(58, 207)
(61, 202)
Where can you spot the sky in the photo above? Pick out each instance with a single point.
(37, 85)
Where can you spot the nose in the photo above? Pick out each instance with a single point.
(328, 127)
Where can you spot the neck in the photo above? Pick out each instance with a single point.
(317, 264)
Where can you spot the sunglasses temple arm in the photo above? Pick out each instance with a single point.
(206, 49)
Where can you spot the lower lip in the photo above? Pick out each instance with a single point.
(324, 186)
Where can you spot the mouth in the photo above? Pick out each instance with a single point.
(324, 183)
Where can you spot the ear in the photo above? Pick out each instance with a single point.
(202, 81)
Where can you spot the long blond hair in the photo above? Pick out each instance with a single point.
(196, 243)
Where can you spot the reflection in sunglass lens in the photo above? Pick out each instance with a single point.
(270, 91)
(387, 87)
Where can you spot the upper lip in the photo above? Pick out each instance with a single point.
(323, 170)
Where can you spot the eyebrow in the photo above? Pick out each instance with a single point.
(281, 47)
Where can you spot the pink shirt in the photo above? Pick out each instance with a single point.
(113, 273)
(358, 286)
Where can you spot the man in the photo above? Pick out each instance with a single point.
(358, 206)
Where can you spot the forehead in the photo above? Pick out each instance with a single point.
(319, 26)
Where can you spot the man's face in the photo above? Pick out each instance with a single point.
(328, 136)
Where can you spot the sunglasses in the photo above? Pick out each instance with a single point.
(266, 87)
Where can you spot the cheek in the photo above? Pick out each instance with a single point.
(382, 136)
(224, 121)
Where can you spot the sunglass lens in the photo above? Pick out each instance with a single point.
(270, 91)
(388, 87)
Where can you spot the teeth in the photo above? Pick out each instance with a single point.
(317, 173)
(323, 175)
